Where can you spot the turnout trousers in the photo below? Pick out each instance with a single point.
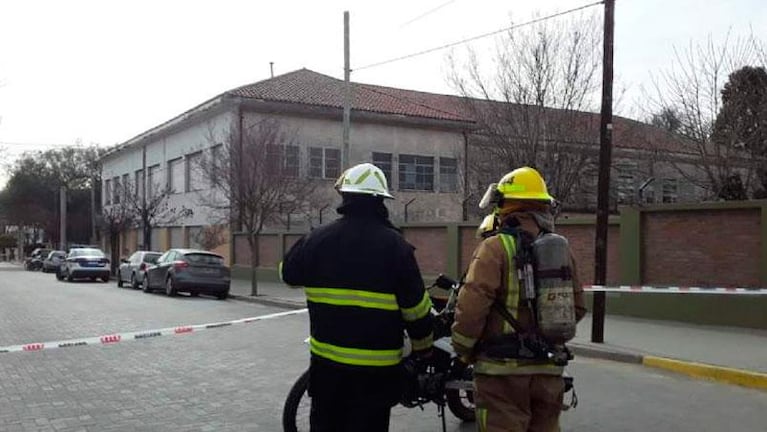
(351, 400)
(518, 403)
(328, 415)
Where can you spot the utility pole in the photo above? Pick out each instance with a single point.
(93, 210)
(345, 161)
(63, 220)
(271, 69)
(605, 157)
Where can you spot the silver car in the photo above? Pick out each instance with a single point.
(84, 263)
(133, 269)
(53, 261)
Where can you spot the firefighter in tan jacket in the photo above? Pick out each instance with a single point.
(514, 392)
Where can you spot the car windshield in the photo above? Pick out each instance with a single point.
(204, 259)
(151, 258)
(86, 252)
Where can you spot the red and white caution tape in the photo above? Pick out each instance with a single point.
(111, 339)
(674, 290)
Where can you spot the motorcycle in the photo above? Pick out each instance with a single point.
(442, 379)
(33, 263)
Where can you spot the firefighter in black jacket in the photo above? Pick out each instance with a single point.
(363, 288)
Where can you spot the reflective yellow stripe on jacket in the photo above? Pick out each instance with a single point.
(418, 311)
(352, 297)
(512, 296)
(355, 356)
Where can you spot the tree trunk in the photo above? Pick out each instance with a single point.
(114, 246)
(147, 235)
(253, 243)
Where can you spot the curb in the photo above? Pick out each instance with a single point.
(722, 374)
(741, 377)
(268, 301)
(605, 353)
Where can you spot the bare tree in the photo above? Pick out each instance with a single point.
(151, 207)
(255, 180)
(690, 89)
(211, 236)
(529, 103)
(114, 220)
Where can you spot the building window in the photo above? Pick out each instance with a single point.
(292, 162)
(193, 177)
(416, 173)
(125, 187)
(283, 160)
(448, 175)
(324, 162)
(176, 175)
(383, 161)
(140, 185)
(153, 181)
(216, 152)
(670, 190)
(116, 192)
(625, 182)
(107, 191)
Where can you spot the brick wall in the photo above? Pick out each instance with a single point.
(431, 248)
(704, 245)
(269, 250)
(701, 248)
(581, 238)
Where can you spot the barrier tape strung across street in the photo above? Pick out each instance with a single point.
(675, 289)
(110, 339)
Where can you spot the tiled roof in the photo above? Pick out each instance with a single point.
(307, 87)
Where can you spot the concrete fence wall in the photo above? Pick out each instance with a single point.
(711, 244)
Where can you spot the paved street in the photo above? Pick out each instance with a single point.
(236, 378)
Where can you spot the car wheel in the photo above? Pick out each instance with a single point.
(119, 279)
(59, 276)
(145, 284)
(170, 289)
(69, 276)
(223, 295)
(105, 279)
(133, 283)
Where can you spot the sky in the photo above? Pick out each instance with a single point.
(103, 71)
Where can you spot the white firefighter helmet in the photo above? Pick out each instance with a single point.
(365, 179)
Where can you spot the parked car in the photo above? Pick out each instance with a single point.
(188, 270)
(133, 269)
(53, 261)
(84, 263)
(35, 260)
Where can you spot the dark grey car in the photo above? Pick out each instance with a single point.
(133, 269)
(189, 270)
(53, 261)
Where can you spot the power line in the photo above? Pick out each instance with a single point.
(484, 35)
(427, 13)
(31, 144)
